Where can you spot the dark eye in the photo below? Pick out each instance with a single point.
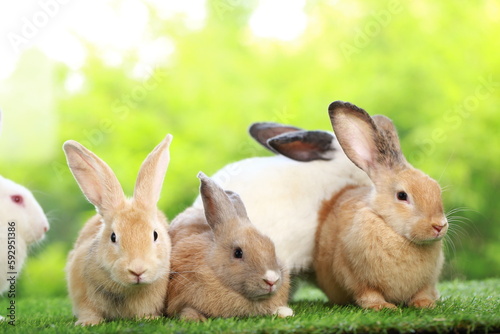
(113, 237)
(18, 199)
(155, 235)
(238, 253)
(402, 196)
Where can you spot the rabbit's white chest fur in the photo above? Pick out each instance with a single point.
(386, 260)
(283, 198)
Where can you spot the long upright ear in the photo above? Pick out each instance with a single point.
(95, 178)
(151, 175)
(304, 145)
(369, 142)
(238, 205)
(264, 131)
(218, 206)
(392, 149)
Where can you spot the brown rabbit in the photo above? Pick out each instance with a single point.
(221, 265)
(120, 262)
(379, 245)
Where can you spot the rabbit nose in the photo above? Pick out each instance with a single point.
(271, 277)
(137, 272)
(45, 229)
(438, 228)
(270, 283)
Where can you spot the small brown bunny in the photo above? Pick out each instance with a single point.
(222, 266)
(379, 245)
(120, 262)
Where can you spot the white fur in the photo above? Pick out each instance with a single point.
(30, 225)
(271, 276)
(283, 197)
(284, 312)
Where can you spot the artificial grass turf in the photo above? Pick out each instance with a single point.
(465, 307)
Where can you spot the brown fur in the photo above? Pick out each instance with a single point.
(126, 278)
(206, 281)
(371, 248)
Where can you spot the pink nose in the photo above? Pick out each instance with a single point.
(269, 282)
(438, 228)
(45, 229)
(137, 273)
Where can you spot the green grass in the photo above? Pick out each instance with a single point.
(472, 306)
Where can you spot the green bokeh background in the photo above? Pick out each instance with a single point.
(433, 67)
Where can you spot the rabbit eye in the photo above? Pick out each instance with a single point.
(113, 237)
(18, 199)
(402, 196)
(155, 235)
(238, 253)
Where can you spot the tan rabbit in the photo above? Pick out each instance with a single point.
(379, 245)
(221, 265)
(120, 262)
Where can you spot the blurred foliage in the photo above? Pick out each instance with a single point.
(432, 67)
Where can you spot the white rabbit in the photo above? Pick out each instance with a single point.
(22, 223)
(283, 193)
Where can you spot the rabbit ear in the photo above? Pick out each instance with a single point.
(263, 131)
(388, 131)
(369, 142)
(238, 205)
(304, 145)
(152, 173)
(218, 206)
(95, 178)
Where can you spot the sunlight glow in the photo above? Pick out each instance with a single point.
(279, 19)
(62, 28)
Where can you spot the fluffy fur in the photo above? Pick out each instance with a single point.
(284, 193)
(119, 265)
(375, 246)
(221, 265)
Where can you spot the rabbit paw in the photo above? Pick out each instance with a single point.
(374, 300)
(422, 303)
(190, 314)
(88, 321)
(151, 317)
(284, 312)
(380, 306)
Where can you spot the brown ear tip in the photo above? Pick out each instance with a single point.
(256, 127)
(337, 106)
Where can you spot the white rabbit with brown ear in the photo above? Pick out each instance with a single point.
(310, 167)
(121, 260)
(381, 245)
(22, 223)
(221, 265)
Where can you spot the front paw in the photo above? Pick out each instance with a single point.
(374, 300)
(151, 317)
(379, 306)
(190, 314)
(88, 321)
(422, 303)
(284, 312)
